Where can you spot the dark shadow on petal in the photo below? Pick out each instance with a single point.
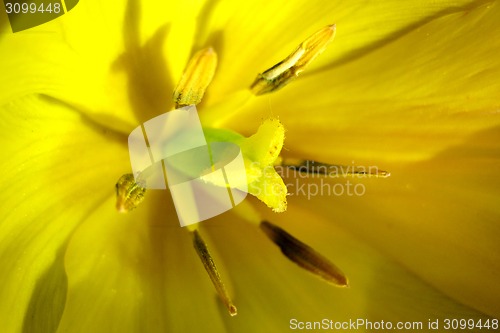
(214, 40)
(203, 21)
(482, 146)
(47, 302)
(149, 85)
(440, 208)
(96, 126)
(367, 49)
(4, 22)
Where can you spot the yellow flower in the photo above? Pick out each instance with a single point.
(408, 87)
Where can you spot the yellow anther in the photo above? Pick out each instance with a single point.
(196, 78)
(287, 70)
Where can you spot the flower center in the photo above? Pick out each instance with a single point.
(261, 153)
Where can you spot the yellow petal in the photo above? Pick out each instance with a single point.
(114, 62)
(46, 60)
(55, 170)
(451, 225)
(137, 272)
(282, 25)
(271, 290)
(368, 26)
(126, 302)
(407, 101)
(438, 218)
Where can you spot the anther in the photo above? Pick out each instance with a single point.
(208, 262)
(287, 70)
(304, 256)
(196, 78)
(129, 193)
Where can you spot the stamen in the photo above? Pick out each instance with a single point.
(196, 78)
(331, 170)
(208, 262)
(304, 256)
(129, 194)
(287, 70)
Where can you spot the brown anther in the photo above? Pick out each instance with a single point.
(211, 268)
(287, 70)
(304, 256)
